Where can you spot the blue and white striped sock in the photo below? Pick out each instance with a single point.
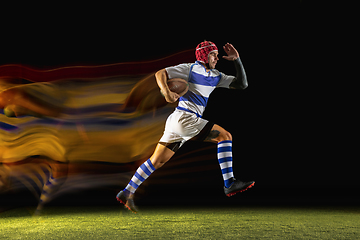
(141, 174)
(224, 150)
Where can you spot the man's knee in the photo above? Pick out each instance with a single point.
(218, 134)
(161, 155)
(158, 162)
(229, 136)
(225, 136)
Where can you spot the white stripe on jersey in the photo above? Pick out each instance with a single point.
(191, 106)
(201, 89)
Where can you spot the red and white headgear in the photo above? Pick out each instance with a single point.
(203, 50)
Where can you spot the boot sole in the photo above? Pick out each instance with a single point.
(242, 190)
(121, 201)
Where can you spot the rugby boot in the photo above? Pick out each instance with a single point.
(238, 186)
(127, 201)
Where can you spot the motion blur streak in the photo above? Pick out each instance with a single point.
(91, 126)
(60, 125)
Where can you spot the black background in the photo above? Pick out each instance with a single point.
(294, 127)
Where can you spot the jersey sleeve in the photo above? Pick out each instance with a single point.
(179, 71)
(225, 81)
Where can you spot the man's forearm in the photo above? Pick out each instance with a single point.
(240, 81)
(161, 79)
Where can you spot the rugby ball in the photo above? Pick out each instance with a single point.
(178, 85)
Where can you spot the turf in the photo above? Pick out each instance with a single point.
(182, 223)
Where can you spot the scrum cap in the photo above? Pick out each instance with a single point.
(203, 50)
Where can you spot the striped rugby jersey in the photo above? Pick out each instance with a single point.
(201, 84)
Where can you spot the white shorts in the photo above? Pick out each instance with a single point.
(181, 126)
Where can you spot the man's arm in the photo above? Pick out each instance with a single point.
(161, 79)
(240, 81)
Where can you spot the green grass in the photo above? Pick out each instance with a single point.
(181, 223)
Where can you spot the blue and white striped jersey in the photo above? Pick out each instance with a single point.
(201, 84)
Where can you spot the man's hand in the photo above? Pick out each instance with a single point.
(170, 97)
(231, 52)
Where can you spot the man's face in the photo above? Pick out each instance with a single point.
(213, 58)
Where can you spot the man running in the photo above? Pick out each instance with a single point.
(186, 121)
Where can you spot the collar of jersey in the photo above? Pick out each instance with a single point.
(199, 63)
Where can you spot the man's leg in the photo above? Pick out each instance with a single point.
(161, 155)
(224, 148)
(218, 134)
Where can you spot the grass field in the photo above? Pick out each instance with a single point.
(182, 223)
